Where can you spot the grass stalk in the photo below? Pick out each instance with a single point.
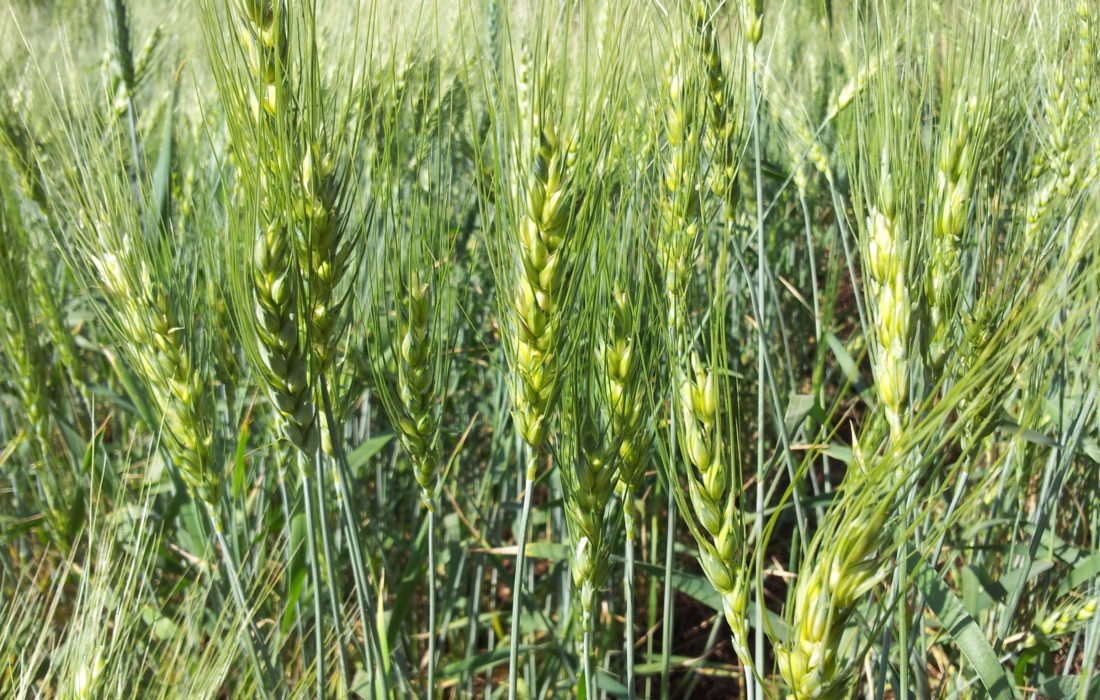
(669, 567)
(254, 645)
(589, 669)
(431, 604)
(330, 577)
(349, 522)
(628, 614)
(761, 350)
(312, 526)
(521, 561)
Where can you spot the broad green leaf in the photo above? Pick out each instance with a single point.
(847, 364)
(1087, 569)
(239, 471)
(363, 454)
(964, 631)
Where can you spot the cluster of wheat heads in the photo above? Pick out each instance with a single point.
(549, 349)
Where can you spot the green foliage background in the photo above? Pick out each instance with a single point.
(767, 332)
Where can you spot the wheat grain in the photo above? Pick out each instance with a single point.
(890, 294)
(814, 661)
(416, 389)
(536, 345)
(713, 495)
(679, 206)
(623, 396)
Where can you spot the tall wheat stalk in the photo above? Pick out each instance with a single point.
(413, 303)
(294, 176)
(341, 241)
(127, 257)
(536, 346)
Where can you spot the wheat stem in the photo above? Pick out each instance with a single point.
(348, 520)
(628, 614)
(521, 558)
(586, 651)
(253, 642)
(431, 604)
(306, 477)
(761, 349)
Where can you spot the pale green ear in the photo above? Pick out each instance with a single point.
(664, 348)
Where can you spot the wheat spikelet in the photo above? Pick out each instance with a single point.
(813, 661)
(679, 206)
(623, 398)
(890, 294)
(536, 345)
(752, 20)
(713, 495)
(416, 390)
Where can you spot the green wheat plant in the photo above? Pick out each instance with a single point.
(413, 299)
(540, 234)
(541, 349)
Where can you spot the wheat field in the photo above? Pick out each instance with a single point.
(550, 348)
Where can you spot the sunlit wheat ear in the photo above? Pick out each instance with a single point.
(153, 327)
(816, 662)
(588, 458)
(889, 293)
(954, 172)
(713, 490)
(189, 406)
(324, 255)
(722, 127)
(536, 345)
(588, 475)
(130, 264)
(805, 150)
(416, 390)
(277, 282)
(1066, 165)
(847, 559)
(158, 342)
(1067, 619)
(624, 399)
(858, 81)
(679, 205)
